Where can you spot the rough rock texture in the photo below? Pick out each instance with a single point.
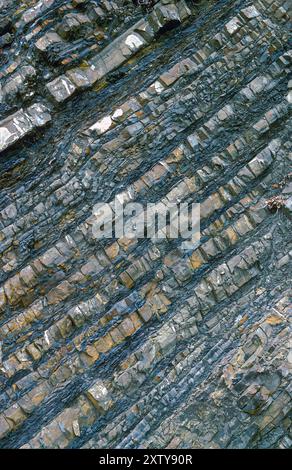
(131, 343)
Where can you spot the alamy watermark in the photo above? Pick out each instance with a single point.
(156, 221)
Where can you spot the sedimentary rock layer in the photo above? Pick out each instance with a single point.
(137, 343)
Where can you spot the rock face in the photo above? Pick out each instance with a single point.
(132, 343)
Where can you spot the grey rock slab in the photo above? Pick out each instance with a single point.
(22, 123)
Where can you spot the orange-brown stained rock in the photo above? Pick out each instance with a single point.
(104, 344)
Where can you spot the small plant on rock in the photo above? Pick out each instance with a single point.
(275, 203)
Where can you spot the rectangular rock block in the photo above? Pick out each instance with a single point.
(22, 123)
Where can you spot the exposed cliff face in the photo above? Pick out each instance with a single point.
(131, 343)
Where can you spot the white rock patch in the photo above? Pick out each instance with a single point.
(102, 126)
(134, 42)
(4, 137)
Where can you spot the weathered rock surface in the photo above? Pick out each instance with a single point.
(128, 343)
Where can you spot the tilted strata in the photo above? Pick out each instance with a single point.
(132, 343)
